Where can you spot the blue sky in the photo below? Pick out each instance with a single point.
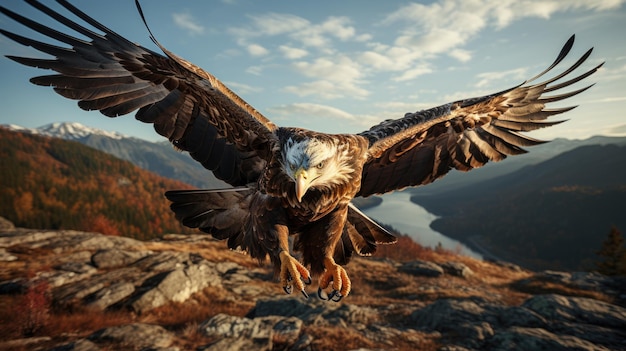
(342, 66)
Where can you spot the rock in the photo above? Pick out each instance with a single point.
(422, 268)
(286, 307)
(520, 316)
(5, 256)
(226, 326)
(177, 285)
(286, 331)
(27, 237)
(457, 269)
(236, 344)
(78, 345)
(587, 319)
(23, 344)
(165, 261)
(463, 319)
(6, 225)
(266, 332)
(111, 295)
(77, 267)
(303, 343)
(115, 257)
(134, 336)
(578, 309)
(314, 311)
(591, 281)
(448, 314)
(519, 338)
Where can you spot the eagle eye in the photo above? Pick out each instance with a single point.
(320, 165)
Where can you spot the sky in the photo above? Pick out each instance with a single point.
(343, 66)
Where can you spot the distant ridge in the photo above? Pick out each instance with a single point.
(66, 130)
(552, 215)
(157, 157)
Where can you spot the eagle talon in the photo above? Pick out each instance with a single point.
(293, 275)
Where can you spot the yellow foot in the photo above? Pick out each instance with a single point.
(336, 274)
(293, 273)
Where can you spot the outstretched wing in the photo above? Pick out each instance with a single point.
(187, 105)
(463, 135)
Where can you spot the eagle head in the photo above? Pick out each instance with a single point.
(316, 162)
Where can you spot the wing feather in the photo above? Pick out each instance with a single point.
(424, 146)
(185, 104)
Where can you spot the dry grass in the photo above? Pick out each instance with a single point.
(337, 339)
(536, 287)
(202, 306)
(208, 248)
(406, 249)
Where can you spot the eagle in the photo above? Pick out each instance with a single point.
(291, 189)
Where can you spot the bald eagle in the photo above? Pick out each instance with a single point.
(286, 181)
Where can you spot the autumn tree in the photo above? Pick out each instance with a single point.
(612, 254)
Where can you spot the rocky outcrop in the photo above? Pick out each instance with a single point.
(103, 272)
(542, 322)
(450, 304)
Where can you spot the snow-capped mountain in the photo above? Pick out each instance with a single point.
(157, 157)
(66, 130)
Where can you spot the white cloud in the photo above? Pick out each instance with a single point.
(335, 77)
(445, 26)
(338, 27)
(242, 89)
(297, 28)
(292, 53)
(187, 22)
(460, 54)
(486, 78)
(413, 73)
(423, 33)
(328, 90)
(256, 70)
(310, 110)
(257, 50)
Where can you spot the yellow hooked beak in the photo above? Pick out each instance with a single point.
(302, 183)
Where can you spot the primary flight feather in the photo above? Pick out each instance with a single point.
(286, 181)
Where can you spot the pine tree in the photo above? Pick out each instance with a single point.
(613, 254)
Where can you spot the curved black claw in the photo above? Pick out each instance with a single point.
(319, 294)
(288, 289)
(306, 296)
(308, 281)
(335, 296)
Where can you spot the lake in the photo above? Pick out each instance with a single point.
(413, 220)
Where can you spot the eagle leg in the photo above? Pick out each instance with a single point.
(338, 276)
(290, 268)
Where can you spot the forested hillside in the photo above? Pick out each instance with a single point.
(554, 215)
(57, 184)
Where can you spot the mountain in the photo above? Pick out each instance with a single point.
(160, 158)
(66, 130)
(60, 184)
(535, 155)
(552, 215)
